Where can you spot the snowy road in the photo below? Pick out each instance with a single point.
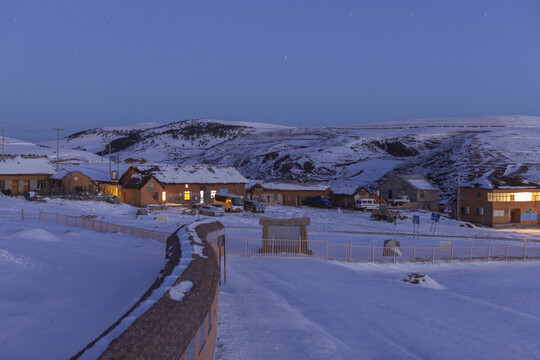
(313, 309)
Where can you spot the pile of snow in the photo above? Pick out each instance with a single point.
(423, 280)
(35, 234)
(178, 291)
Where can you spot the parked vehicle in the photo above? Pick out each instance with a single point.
(318, 201)
(366, 204)
(382, 213)
(229, 202)
(253, 206)
(401, 200)
(212, 210)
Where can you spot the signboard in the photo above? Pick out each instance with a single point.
(445, 245)
(435, 217)
(162, 218)
(223, 191)
(416, 219)
(529, 211)
(527, 216)
(498, 213)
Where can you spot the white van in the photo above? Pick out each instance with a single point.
(229, 202)
(366, 204)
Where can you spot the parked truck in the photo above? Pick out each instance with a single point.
(401, 200)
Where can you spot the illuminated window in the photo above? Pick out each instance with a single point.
(187, 186)
(187, 195)
(525, 196)
(163, 196)
(212, 193)
(507, 197)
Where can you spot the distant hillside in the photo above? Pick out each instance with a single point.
(360, 155)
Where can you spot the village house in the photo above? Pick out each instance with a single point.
(498, 201)
(180, 183)
(286, 193)
(88, 178)
(422, 194)
(345, 196)
(20, 174)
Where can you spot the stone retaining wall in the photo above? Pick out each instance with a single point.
(170, 327)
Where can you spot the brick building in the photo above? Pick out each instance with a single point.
(498, 201)
(286, 193)
(184, 184)
(422, 193)
(86, 178)
(20, 174)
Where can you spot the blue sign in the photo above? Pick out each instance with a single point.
(529, 216)
(435, 217)
(416, 219)
(223, 191)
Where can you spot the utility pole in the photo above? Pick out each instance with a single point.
(110, 169)
(57, 146)
(3, 139)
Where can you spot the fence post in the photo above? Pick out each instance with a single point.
(350, 251)
(414, 253)
(506, 255)
(326, 249)
(451, 253)
(524, 251)
(273, 245)
(470, 253)
(372, 252)
(245, 247)
(394, 254)
(488, 253)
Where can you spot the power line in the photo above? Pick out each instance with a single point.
(3, 138)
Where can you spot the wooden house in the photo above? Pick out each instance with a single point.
(292, 193)
(345, 196)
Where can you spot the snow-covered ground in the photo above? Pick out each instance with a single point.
(62, 286)
(299, 308)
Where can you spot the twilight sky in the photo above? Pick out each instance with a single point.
(85, 64)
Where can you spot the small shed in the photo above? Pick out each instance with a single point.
(345, 196)
(422, 194)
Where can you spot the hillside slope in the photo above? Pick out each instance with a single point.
(360, 155)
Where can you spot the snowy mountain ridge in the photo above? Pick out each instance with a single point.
(360, 155)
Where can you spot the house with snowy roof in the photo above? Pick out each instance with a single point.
(422, 194)
(86, 177)
(182, 183)
(20, 174)
(292, 193)
(345, 196)
(498, 200)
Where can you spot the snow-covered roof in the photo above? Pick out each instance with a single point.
(418, 182)
(345, 189)
(25, 165)
(293, 186)
(193, 174)
(96, 171)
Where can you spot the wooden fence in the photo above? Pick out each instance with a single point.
(102, 226)
(243, 245)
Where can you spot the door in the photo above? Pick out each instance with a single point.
(15, 186)
(26, 186)
(515, 215)
(202, 196)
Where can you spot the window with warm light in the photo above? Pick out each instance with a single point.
(163, 196)
(507, 197)
(187, 195)
(212, 194)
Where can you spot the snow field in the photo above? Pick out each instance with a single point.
(276, 308)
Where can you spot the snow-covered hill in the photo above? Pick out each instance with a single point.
(358, 155)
